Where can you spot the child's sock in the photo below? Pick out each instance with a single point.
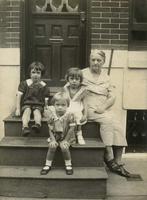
(68, 163)
(68, 167)
(80, 138)
(48, 163)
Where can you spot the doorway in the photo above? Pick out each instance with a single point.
(55, 34)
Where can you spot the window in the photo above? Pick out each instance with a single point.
(56, 6)
(138, 25)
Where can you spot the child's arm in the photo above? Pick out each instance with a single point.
(53, 143)
(18, 102)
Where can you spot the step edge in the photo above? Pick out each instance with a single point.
(98, 145)
(101, 176)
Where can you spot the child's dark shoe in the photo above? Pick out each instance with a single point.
(25, 131)
(69, 170)
(36, 128)
(45, 170)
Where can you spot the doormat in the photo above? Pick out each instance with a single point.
(134, 177)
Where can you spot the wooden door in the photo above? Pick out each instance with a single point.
(58, 40)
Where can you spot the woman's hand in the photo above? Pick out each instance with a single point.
(100, 109)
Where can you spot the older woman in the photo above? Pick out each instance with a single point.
(99, 101)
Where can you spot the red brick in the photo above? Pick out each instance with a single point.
(123, 36)
(110, 4)
(119, 31)
(95, 14)
(119, 41)
(102, 20)
(100, 41)
(98, 9)
(119, 9)
(109, 36)
(124, 15)
(110, 14)
(102, 30)
(110, 25)
(116, 20)
(124, 4)
(124, 26)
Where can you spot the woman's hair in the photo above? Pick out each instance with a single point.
(38, 66)
(74, 72)
(101, 53)
(60, 96)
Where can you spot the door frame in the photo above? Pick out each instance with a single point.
(24, 34)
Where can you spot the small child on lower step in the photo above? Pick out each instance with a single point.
(76, 93)
(61, 131)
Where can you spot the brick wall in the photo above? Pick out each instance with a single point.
(10, 23)
(109, 24)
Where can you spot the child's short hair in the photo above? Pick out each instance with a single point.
(38, 66)
(60, 96)
(74, 72)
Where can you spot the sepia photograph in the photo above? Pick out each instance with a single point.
(73, 99)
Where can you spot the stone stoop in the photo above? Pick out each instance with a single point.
(89, 182)
(13, 127)
(21, 159)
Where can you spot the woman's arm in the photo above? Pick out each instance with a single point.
(110, 98)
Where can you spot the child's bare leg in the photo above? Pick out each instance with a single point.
(80, 136)
(37, 119)
(26, 117)
(67, 159)
(49, 160)
(37, 116)
(25, 122)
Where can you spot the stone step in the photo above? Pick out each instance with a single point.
(85, 183)
(13, 127)
(32, 152)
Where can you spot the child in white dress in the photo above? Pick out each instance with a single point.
(76, 93)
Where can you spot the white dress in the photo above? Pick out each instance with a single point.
(76, 103)
(99, 89)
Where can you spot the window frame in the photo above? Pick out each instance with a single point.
(137, 27)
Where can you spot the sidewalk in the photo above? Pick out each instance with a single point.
(118, 188)
(121, 189)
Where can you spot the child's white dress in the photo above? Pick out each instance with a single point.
(76, 103)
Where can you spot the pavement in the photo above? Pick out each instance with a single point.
(119, 188)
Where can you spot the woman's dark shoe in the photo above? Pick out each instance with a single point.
(45, 170)
(124, 172)
(25, 131)
(116, 168)
(36, 128)
(69, 170)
